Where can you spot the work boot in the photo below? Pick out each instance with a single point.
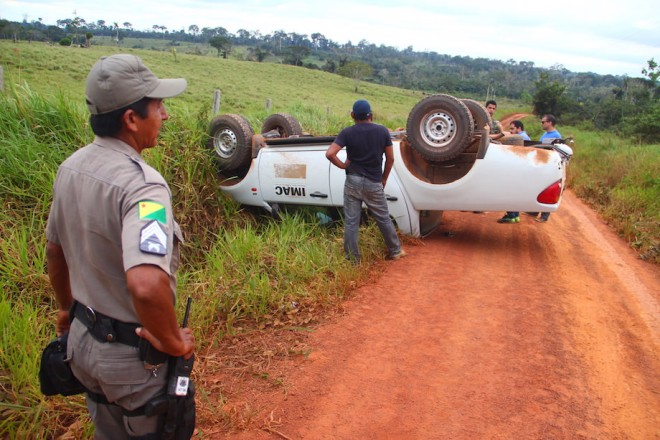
(507, 219)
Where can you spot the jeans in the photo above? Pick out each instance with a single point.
(357, 190)
(545, 215)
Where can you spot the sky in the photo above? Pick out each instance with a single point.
(607, 37)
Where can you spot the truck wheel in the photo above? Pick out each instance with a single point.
(285, 124)
(440, 127)
(479, 113)
(231, 141)
(512, 139)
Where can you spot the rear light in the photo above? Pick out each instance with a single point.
(551, 194)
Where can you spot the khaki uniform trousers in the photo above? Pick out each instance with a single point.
(114, 370)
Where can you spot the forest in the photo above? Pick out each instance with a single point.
(623, 105)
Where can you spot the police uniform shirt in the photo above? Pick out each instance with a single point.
(111, 211)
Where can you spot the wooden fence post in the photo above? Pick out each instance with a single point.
(216, 101)
(2, 81)
(269, 104)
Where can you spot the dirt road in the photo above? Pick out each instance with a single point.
(484, 331)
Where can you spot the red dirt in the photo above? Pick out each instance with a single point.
(484, 331)
(507, 120)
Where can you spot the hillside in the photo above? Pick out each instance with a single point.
(407, 68)
(245, 86)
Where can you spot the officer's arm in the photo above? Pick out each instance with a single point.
(58, 274)
(153, 299)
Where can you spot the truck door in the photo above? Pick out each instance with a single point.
(300, 177)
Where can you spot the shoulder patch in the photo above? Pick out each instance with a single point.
(153, 239)
(148, 210)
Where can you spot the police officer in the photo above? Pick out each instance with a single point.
(113, 250)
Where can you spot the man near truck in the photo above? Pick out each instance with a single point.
(496, 131)
(548, 123)
(515, 127)
(366, 143)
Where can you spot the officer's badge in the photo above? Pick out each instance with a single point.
(148, 210)
(153, 239)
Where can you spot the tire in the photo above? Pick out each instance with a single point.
(231, 141)
(440, 127)
(512, 139)
(284, 123)
(479, 114)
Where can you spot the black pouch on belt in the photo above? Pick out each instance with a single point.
(150, 355)
(55, 375)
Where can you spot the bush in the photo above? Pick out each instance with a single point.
(645, 126)
(66, 41)
(550, 97)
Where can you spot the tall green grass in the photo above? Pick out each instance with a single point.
(621, 180)
(35, 134)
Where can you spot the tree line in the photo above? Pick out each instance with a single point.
(627, 106)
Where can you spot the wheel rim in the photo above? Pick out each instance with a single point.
(225, 143)
(438, 129)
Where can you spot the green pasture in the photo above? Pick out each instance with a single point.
(242, 271)
(245, 86)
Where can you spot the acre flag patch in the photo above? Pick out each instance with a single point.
(148, 210)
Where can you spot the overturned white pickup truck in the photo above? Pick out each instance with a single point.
(444, 160)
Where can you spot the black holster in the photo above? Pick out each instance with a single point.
(55, 375)
(177, 414)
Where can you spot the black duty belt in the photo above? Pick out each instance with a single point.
(104, 328)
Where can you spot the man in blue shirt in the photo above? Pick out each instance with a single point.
(548, 124)
(515, 127)
(366, 143)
